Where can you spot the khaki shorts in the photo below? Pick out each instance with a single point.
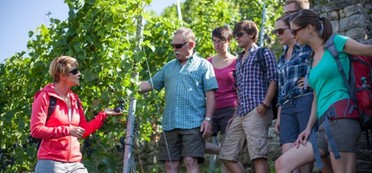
(251, 127)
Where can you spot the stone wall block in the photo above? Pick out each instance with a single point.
(335, 26)
(368, 6)
(354, 9)
(335, 6)
(356, 33)
(357, 20)
(333, 15)
(341, 13)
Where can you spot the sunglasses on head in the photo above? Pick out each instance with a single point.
(74, 71)
(294, 31)
(239, 34)
(178, 46)
(279, 31)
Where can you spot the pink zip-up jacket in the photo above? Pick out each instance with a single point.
(57, 143)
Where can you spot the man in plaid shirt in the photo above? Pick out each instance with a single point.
(254, 114)
(190, 83)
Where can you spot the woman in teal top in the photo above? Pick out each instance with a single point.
(309, 28)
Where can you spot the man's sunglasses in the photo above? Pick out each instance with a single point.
(279, 31)
(239, 34)
(74, 71)
(178, 46)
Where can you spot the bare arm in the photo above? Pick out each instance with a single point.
(313, 117)
(145, 86)
(271, 91)
(355, 48)
(210, 103)
(206, 126)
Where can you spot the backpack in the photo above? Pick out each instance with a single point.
(359, 83)
(260, 59)
(51, 107)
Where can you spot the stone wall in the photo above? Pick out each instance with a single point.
(352, 18)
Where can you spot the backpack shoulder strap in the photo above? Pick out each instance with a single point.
(330, 46)
(51, 107)
(260, 58)
(78, 103)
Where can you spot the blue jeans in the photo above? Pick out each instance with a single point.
(52, 166)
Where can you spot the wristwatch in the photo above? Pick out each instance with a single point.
(208, 119)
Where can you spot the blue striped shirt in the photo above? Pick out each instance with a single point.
(185, 88)
(251, 81)
(290, 71)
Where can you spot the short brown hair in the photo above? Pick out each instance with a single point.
(61, 65)
(248, 26)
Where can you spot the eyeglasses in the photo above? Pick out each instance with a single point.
(74, 71)
(294, 31)
(290, 12)
(239, 34)
(178, 46)
(279, 31)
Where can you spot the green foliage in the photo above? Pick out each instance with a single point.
(103, 36)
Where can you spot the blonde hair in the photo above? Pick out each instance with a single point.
(61, 65)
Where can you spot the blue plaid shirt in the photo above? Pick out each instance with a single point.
(185, 88)
(251, 81)
(290, 71)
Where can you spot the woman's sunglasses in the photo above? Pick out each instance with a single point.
(74, 71)
(279, 31)
(294, 31)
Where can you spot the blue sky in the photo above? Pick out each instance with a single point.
(18, 17)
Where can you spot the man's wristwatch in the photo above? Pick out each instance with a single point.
(208, 119)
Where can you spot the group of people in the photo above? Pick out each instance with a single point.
(226, 94)
(232, 95)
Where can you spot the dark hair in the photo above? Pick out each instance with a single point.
(299, 4)
(322, 25)
(249, 27)
(223, 32)
(285, 19)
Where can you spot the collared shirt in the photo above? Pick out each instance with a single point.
(251, 81)
(185, 87)
(290, 71)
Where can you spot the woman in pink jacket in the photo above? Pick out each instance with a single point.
(59, 150)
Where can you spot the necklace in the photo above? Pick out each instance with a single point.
(65, 97)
